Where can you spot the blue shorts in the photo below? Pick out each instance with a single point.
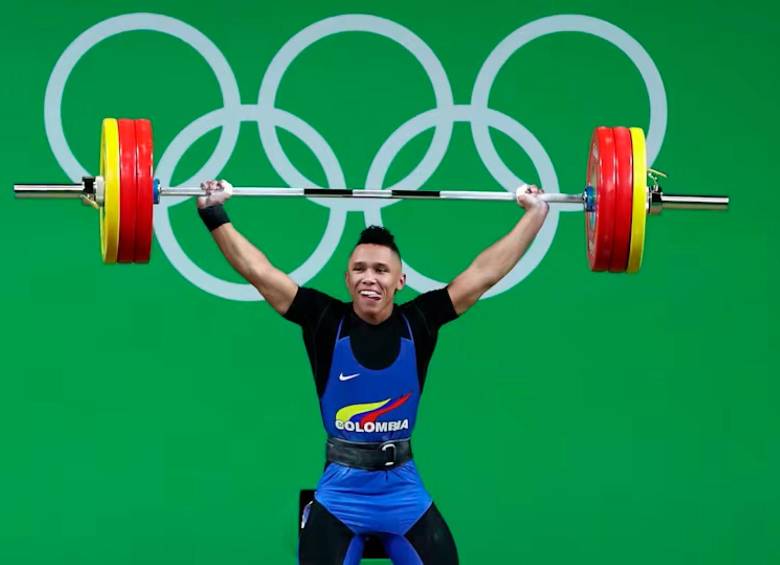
(391, 506)
(374, 501)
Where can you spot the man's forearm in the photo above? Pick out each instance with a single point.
(244, 257)
(276, 287)
(497, 260)
(251, 263)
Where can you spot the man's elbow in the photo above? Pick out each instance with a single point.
(485, 279)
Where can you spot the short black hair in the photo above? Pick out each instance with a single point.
(378, 235)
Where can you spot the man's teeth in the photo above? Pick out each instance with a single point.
(369, 293)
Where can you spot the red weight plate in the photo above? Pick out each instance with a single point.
(624, 198)
(599, 224)
(127, 196)
(145, 202)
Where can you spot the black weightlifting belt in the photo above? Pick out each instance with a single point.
(371, 456)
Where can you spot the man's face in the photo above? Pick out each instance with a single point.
(373, 277)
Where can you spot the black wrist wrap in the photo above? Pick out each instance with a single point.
(213, 216)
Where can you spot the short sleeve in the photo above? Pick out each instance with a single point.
(309, 307)
(435, 309)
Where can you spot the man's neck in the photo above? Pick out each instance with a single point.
(376, 319)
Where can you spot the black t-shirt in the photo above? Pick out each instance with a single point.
(374, 346)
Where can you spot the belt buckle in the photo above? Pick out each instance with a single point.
(389, 447)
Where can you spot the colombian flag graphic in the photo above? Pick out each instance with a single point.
(369, 412)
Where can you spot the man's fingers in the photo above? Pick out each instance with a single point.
(225, 186)
(210, 186)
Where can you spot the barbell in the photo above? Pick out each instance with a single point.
(616, 200)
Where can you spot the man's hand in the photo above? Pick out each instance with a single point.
(527, 196)
(217, 192)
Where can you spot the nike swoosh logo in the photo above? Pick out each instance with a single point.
(343, 377)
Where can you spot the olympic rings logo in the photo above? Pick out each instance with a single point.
(268, 118)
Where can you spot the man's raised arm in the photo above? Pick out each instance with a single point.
(276, 287)
(496, 261)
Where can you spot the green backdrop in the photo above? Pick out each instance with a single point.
(620, 419)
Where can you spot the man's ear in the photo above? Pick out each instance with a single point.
(401, 282)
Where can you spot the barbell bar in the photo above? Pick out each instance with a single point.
(661, 200)
(616, 199)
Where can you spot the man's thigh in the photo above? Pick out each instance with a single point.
(326, 540)
(428, 542)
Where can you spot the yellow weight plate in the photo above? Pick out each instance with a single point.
(109, 170)
(639, 206)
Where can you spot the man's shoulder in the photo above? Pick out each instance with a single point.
(437, 297)
(310, 304)
(433, 309)
(316, 294)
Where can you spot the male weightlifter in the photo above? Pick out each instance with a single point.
(369, 358)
